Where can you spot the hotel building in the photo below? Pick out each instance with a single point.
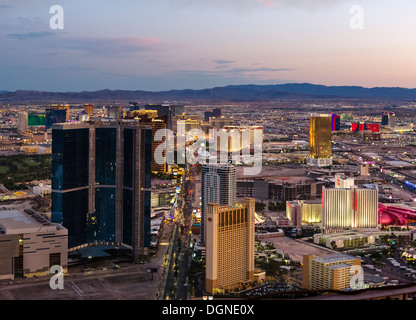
(349, 209)
(320, 140)
(218, 185)
(230, 246)
(332, 272)
(304, 212)
(101, 183)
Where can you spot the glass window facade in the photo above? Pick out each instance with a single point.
(105, 156)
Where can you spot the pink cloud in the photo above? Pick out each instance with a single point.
(267, 3)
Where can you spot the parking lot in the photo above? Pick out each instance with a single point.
(270, 288)
(114, 285)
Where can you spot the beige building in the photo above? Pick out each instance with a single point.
(304, 212)
(332, 272)
(187, 122)
(221, 122)
(230, 246)
(30, 244)
(22, 122)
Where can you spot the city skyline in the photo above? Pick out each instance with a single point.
(175, 44)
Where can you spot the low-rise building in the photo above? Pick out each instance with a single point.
(331, 272)
(30, 244)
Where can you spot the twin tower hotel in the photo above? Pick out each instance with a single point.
(101, 182)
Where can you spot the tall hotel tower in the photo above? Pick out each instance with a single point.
(320, 140)
(230, 245)
(348, 207)
(218, 184)
(101, 183)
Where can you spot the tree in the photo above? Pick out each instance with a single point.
(259, 206)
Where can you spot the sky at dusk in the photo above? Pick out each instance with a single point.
(193, 44)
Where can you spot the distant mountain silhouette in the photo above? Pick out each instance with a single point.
(302, 91)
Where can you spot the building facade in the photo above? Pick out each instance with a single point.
(101, 182)
(349, 209)
(218, 185)
(304, 212)
(30, 244)
(320, 140)
(22, 122)
(230, 246)
(332, 272)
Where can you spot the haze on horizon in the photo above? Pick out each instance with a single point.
(195, 44)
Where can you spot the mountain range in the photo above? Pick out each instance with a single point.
(290, 91)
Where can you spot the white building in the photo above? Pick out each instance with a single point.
(218, 185)
(342, 181)
(42, 190)
(22, 122)
(349, 209)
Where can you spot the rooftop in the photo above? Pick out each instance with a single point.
(334, 258)
(14, 221)
(340, 266)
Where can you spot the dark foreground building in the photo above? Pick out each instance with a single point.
(101, 183)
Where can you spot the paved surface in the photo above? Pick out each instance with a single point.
(131, 282)
(296, 249)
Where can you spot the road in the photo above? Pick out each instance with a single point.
(177, 282)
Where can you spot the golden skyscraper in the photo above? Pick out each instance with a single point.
(320, 140)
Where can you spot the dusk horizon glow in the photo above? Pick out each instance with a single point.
(180, 44)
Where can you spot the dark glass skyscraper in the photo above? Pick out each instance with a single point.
(101, 182)
(55, 116)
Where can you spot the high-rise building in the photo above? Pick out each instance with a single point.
(61, 107)
(388, 119)
(150, 117)
(158, 164)
(115, 112)
(22, 121)
(392, 120)
(89, 109)
(36, 120)
(336, 122)
(218, 185)
(55, 115)
(349, 209)
(216, 113)
(207, 115)
(101, 183)
(331, 272)
(171, 111)
(221, 122)
(320, 140)
(229, 249)
(385, 119)
(189, 122)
